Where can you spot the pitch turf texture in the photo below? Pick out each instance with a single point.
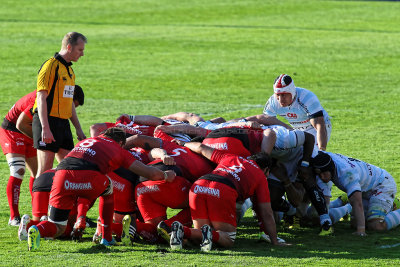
(216, 58)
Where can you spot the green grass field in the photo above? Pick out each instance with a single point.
(215, 58)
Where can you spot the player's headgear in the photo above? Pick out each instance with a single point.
(79, 95)
(116, 133)
(284, 85)
(323, 162)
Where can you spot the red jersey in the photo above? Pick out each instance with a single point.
(23, 103)
(140, 154)
(132, 128)
(191, 164)
(248, 178)
(243, 141)
(107, 154)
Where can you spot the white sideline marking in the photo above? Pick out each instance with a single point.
(390, 246)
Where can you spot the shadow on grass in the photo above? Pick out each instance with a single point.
(307, 243)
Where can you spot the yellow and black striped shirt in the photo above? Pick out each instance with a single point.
(58, 79)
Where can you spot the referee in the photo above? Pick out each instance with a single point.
(54, 106)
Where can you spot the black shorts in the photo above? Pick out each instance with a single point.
(61, 132)
(44, 182)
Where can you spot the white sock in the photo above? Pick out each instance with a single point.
(392, 219)
(337, 213)
(336, 203)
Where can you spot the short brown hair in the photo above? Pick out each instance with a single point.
(72, 39)
(115, 133)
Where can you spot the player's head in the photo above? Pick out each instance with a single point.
(263, 160)
(284, 89)
(79, 96)
(117, 134)
(324, 166)
(72, 46)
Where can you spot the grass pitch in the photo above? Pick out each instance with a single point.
(216, 58)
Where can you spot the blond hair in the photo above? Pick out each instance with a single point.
(72, 38)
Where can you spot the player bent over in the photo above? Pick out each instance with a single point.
(370, 190)
(82, 174)
(212, 199)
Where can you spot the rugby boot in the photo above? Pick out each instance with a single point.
(22, 231)
(79, 228)
(176, 235)
(206, 243)
(14, 221)
(107, 243)
(128, 230)
(97, 235)
(326, 229)
(33, 238)
(164, 231)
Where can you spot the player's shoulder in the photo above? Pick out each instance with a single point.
(304, 93)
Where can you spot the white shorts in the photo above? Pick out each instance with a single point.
(380, 201)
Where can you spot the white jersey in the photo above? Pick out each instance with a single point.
(288, 150)
(356, 175)
(287, 142)
(214, 126)
(304, 107)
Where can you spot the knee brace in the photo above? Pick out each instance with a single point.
(17, 167)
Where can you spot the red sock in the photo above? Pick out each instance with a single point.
(13, 189)
(83, 206)
(31, 180)
(32, 222)
(47, 229)
(186, 232)
(40, 203)
(67, 231)
(183, 217)
(106, 212)
(117, 229)
(147, 231)
(215, 236)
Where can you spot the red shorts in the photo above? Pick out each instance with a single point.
(68, 185)
(213, 201)
(14, 142)
(124, 194)
(154, 197)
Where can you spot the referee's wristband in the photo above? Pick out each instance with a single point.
(305, 164)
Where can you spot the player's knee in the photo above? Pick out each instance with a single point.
(60, 229)
(17, 167)
(226, 239)
(377, 225)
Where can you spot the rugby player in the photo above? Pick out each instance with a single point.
(82, 174)
(370, 190)
(213, 198)
(301, 108)
(19, 151)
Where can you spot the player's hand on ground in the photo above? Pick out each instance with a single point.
(168, 160)
(360, 233)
